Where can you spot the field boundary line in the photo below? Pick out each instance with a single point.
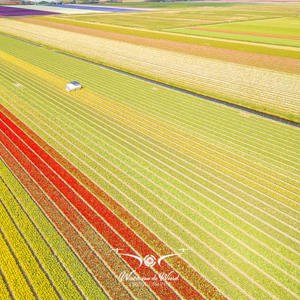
(160, 83)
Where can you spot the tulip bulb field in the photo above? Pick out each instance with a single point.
(172, 173)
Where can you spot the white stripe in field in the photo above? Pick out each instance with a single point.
(114, 7)
(88, 243)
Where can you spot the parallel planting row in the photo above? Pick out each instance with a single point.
(65, 192)
(261, 89)
(36, 260)
(176, 163)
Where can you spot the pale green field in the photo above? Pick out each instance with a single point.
(218, 181)
(205, 14)
(278, 31)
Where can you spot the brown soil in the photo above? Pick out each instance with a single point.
(253, 59)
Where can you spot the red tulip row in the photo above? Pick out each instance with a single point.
(67, 192)
(62, 215)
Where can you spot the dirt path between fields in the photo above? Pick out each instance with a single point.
(252, 59)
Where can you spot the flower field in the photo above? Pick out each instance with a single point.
(8, 11)
(261, 89)
(117, 176)
(258, 31)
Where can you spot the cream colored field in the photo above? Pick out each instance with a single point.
(262, 89)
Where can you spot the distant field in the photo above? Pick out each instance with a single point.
(277, 31)
(219, 182)
(261, 89)
(264, 23)
(204, 14)
(256, 35)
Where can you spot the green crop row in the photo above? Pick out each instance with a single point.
(153, 151)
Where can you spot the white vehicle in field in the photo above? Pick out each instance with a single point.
(73, 85)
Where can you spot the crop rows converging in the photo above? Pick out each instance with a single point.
(127, 164)
(260, 89)
(36, 260)
(69, 191)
